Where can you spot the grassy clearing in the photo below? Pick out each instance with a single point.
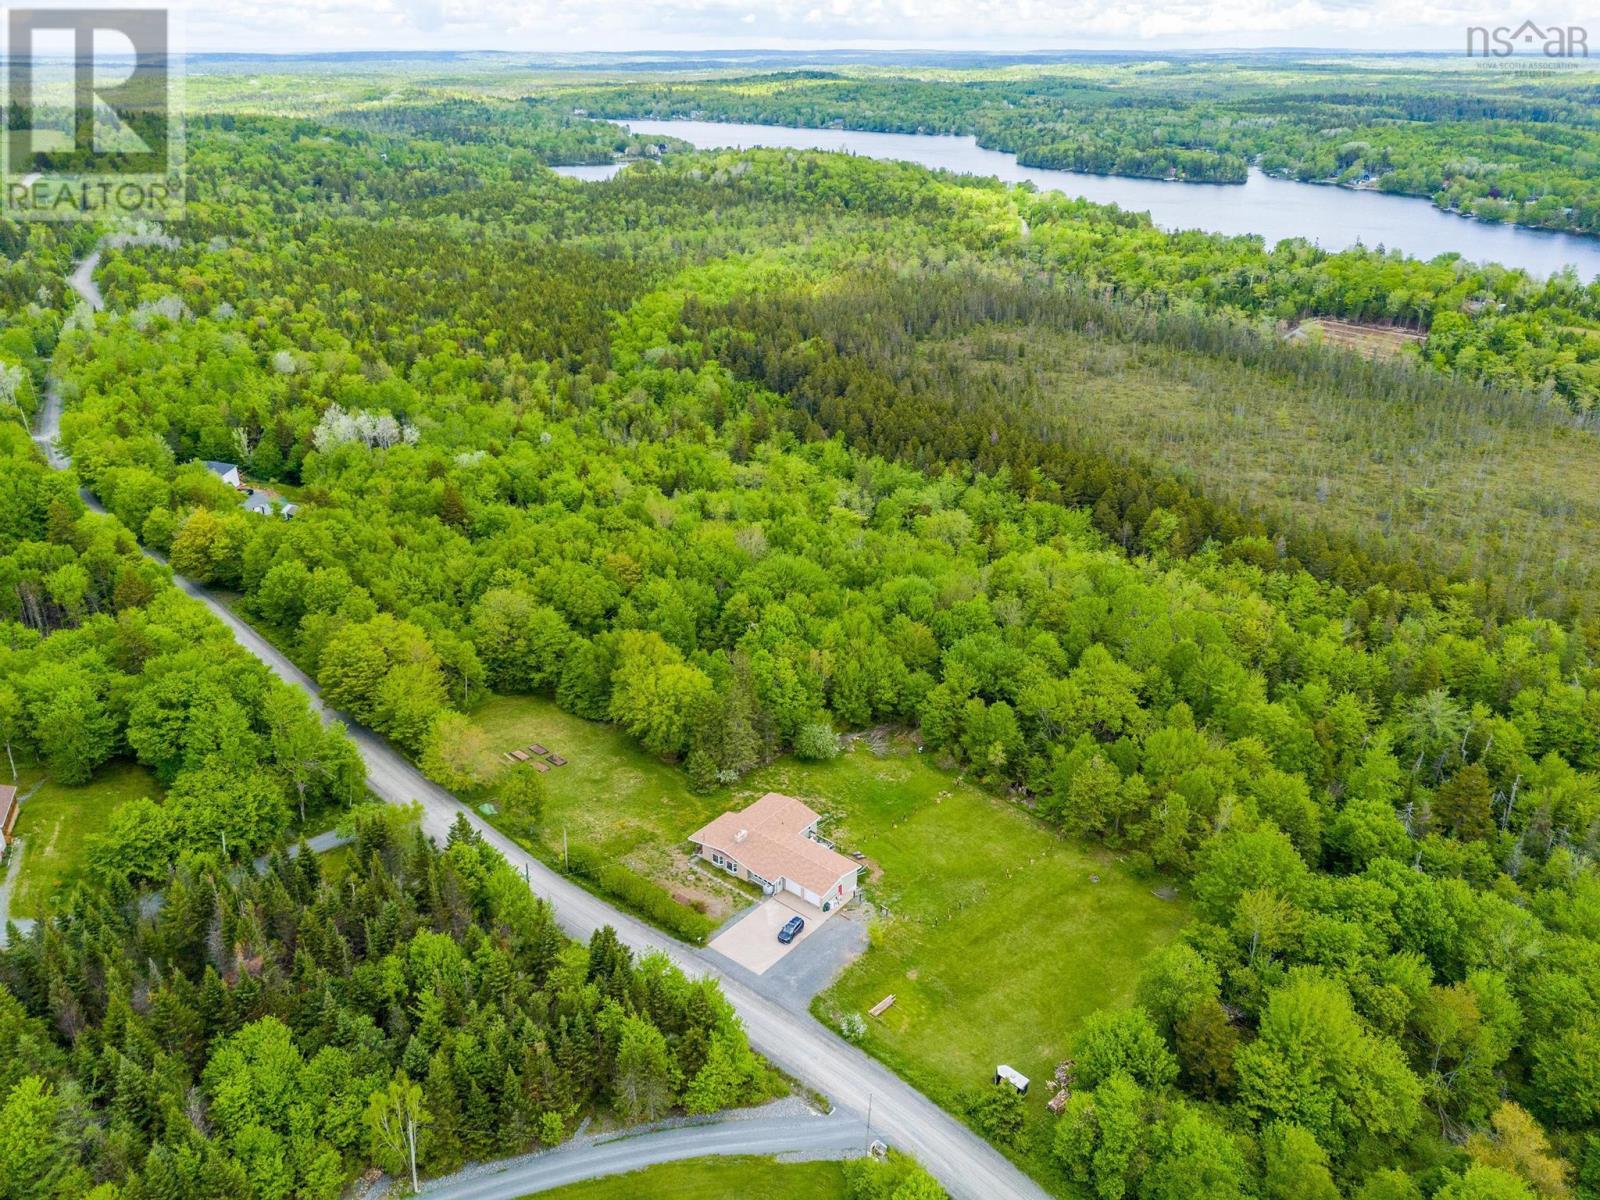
(1508, 490)
(336, 862)
(57, 821)
(992, 932)
(732, 1178)
(1364, 338)
(613, 797)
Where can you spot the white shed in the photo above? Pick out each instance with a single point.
(1012, 1076)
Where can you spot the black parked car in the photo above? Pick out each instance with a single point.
(791, 930)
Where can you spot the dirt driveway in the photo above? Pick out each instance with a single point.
(753, 941)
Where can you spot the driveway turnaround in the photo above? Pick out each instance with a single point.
(752, 941)
(967, 1166)
(809, 1137)
(799, 977)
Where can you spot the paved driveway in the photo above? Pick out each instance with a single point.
(753, 943)
(791, 1138)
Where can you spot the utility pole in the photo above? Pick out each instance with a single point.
(867, 1146)
(565, 866)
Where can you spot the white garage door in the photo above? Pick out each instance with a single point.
(790, 885)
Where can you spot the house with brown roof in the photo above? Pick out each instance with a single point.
(774, 843)
(9, 808)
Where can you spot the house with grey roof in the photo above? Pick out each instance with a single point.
(258, 501)
(227, 472)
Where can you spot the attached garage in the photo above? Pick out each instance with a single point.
(775, 843)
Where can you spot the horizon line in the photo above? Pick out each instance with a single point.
(1148, 51)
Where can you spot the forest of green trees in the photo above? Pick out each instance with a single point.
(652, 448)
(270, 1035)
(1486, 322)
(259, 1036)
(1494, 146)
(101, 656)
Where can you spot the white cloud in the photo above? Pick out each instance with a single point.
(566, 25)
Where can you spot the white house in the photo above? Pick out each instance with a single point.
(774, 843)
(227, 472)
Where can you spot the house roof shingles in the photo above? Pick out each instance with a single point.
(769, 839)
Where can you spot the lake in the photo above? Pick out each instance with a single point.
(1334, 218)
(590, 171)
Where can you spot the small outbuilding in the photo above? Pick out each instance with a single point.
(1005, 1074)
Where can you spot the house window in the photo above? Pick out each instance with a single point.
(716, 859)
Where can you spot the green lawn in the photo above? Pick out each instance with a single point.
(336, 862)
(612, 796)
(993, 936)
(730, 1178)
(992, 932)
(56, 821)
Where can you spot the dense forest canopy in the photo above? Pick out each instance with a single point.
(738, 451)
(1496, 146)
(265, 1033)
(1481, 321)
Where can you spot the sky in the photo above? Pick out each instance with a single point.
(298, 26)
